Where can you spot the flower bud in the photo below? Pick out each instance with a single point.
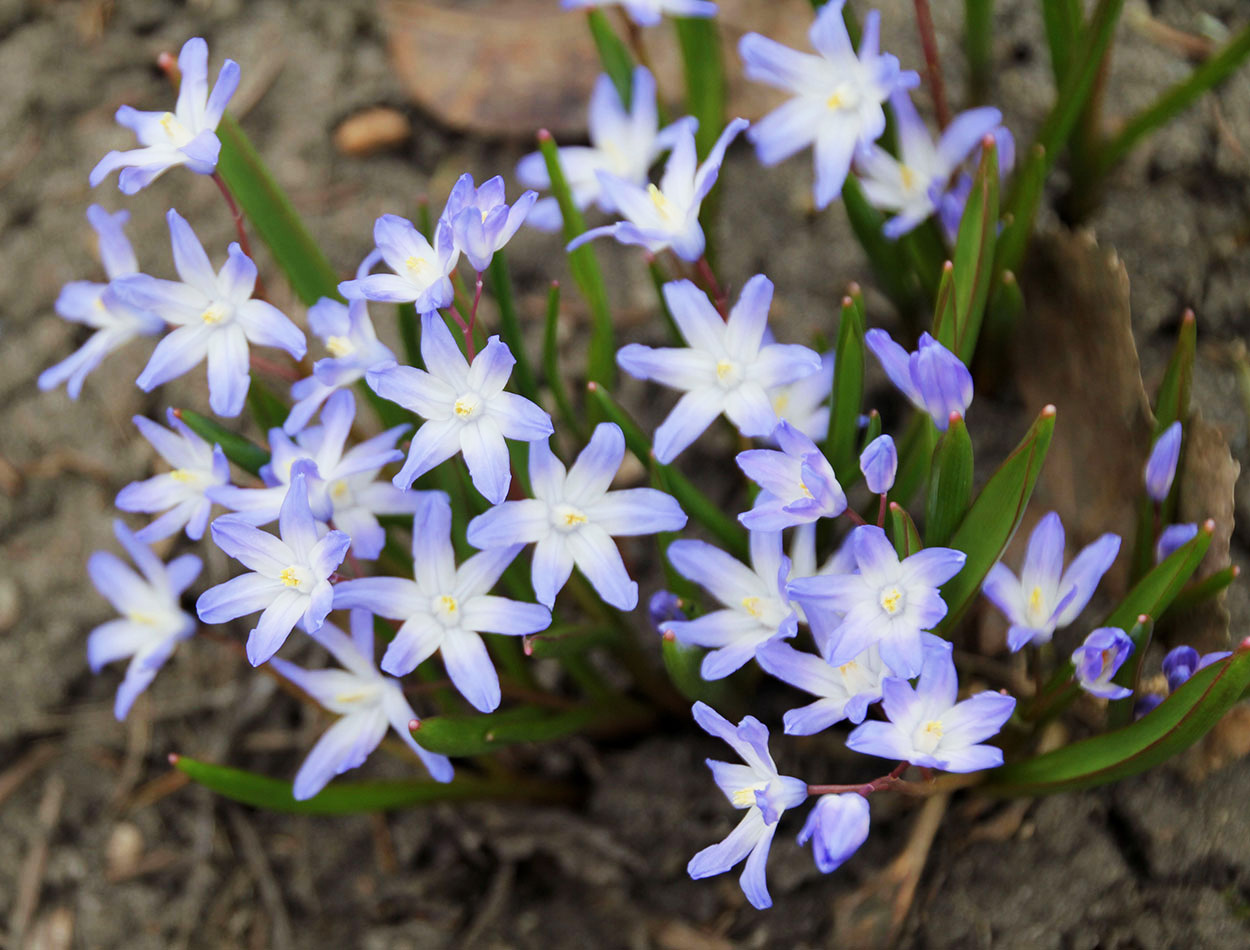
(1172, 537)
(1099, 658)
(663, 608)
(837, 825)
(1161, 466)
(879, 463)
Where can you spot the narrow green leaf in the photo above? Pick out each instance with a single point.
(1205, 589)
(945, 317)
(683, 664)
(871, 431)
(345, 798)
(994, 516)
(903, 532)
(1176, 724)
(915, 452)
(551, 364)
(1006, 304)
(242, 452)
(267, 409)
(889, 265)
(847, 395)
(1026, 196)
(480, 734)
(510, 326)
(978, 40)
(410, 333)
(1063, 20)
(950, 484)
(568, 639)
(617, 62)
(658, 280)
(601, 364)
(728, 531)
(974, 253)
(699, 40)
(273, 216)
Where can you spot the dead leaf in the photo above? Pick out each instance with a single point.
(372, 130)
(511, 67)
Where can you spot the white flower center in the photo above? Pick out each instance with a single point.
(340, 346)
(186, 476)
(892, 600)
(781, 402)
(467, 406)
(297, 576)
(728, 373)
(340, 493)
(218, 312)
(745, 797)
(447, 610)
(928, 736)
(420, 271)
(178, 134)
(566, 518)
(662, 204)
(845, 95)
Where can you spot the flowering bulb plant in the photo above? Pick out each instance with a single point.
(489, 513)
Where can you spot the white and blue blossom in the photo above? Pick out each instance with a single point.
(366, 702)
(797, 483)
(1099, 658)
(879, 463)
(465, 407)
(804, 403)
(445, 609)
(932, 378)
(481, 220)
(843, 692)
(649, 12)
(836, 826)
(187, 136)
(573, 517)
(421, 270)
(152, 622)
(754, 785)
(727, 367)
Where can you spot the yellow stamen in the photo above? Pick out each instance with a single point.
(891, 600)
(1035, 599)
(464, 407)
(744, 797)
(572, 518)
(846, 669)
(753, 606)
(214, 314)
(339, 346)
(908, 176)
(447, 604)
(290, 576)
(418, 266)
(933, 728)
(661, 202)
(184, 475)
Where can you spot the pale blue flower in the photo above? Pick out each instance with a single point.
(1172, 537)
(573, 517)
(481, 220)
(932, 378)
(838, 95)
(836, 826)
(152, 622)
(1183, 662)
(804, 403)
(879, 463)
(95, 305)
(889, 602)
(421, 270)
(953, 201)
(666, 216)
(1047, 598)
(289, 579)
(623, 143)
(1161, 466)
(182, 494)
(1099, 658)
(755, 786)
(447, 607)
(798, 484)
(927, 727)
(913, 185)
(354, 348)
(186, 136)
(756, 607)
(466, 408)
(215, 317)
(649, 12)
(726, 366)
(342, 485)
(844, 691)
(365, 701)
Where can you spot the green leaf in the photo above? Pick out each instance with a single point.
(1026, 195)
(889, 265)
(903, 532)
(974, 254)
(551, 363)
(1205, 589)
(601, 364)
(510, 326)
(950, 484)
(848, 394)
(699, 40)
(728, 531)
(273, 216)
(242, 452)
(568, 640)
(945, 317)
(871, 431)
(614, 55)
(978, 40)
(915, 452)
(987, 528)
(1176, 724)
(345, 798)
(410, 334)
(1063, 21)
(267, 409)
(480, 734)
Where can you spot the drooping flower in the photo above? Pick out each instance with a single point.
(932, 378)
(913, 185)
(481, 220)
(649, 12)
(804, 403)
(838, 95)
(1099, 658)
(365, 701)
(92, 304)
(348, 335)
(342, 485)
(1161, 466)
(187, 136)
(1046, 597)
(573, 517)
(836, 826)
(879, 463)
(152, 622)
(624, 143)
(182, 494)
(215, 317)
(465, 407)
(755, 786)
(797, 484)
(889, 602)
(756, 608)
(289, 579)
(1183, 662)
(1172, 537)
(446, 608)
(844, 691)
(666, 216)
(927, 727)
(726, 367)
(421, 270)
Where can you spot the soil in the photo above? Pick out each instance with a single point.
(100, 848)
